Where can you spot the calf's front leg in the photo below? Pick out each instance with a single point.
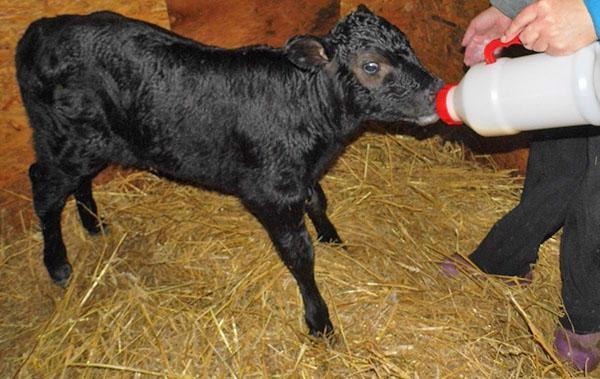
(285, 225)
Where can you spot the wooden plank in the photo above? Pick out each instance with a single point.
(244, 22)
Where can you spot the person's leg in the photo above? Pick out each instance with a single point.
(579, 336)
(554, 170)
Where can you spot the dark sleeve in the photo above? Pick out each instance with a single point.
(510, 7)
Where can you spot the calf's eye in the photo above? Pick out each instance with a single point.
(371, 68)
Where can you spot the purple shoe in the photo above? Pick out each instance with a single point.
(582, 350)
(457, 264)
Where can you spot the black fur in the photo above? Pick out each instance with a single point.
(260, 123)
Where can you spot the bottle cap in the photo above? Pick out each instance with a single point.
(441, 105)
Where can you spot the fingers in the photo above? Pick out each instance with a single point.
(559, 49)
(530, 37)
(487, 25)
(474, 51)
(473, 55)
(520, 22)
(468, 35)
(540, 45)
(556, 27)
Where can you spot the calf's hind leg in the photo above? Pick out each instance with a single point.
(86, 206)
(51, 187)
(316, 207)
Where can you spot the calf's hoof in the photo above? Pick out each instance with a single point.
(330, 239)
(323, 329)
(328, 234)
(61, 273)
(96, 229)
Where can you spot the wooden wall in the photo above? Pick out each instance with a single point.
(238, 23)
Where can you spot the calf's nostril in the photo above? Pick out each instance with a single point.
(434, 89)
(431, 96)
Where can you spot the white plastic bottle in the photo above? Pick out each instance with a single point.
(538, 91)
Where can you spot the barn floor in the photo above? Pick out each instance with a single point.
(185, 283)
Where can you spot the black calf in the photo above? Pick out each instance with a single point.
(260, 123)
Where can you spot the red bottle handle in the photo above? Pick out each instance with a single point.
(494, 45)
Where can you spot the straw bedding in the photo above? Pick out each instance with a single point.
(185, 283)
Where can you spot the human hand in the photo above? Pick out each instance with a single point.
(486, 26)
(556, 27)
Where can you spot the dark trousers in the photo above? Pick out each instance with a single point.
(562, 189)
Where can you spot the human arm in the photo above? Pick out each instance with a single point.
(510, 8)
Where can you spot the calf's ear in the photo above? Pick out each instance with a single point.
(306, 52)
(363, 9)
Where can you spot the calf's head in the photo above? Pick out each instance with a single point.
(372, 62)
